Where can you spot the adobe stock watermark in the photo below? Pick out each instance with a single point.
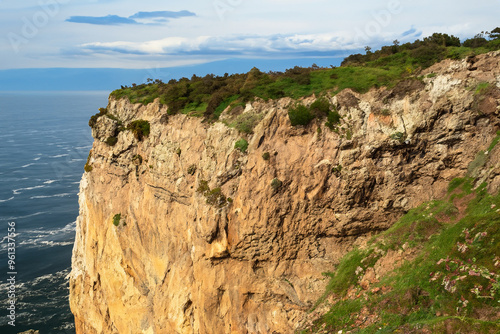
(380, 19)
(156, 73)
(11, 274)
(32, 25)
(222, 7)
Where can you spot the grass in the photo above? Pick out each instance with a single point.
(456, 273)
(494, 142)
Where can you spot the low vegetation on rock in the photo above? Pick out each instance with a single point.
(214, 197)
(437, 270)
(116, 219)
(208, 96)
(241, 145)
(140, 128)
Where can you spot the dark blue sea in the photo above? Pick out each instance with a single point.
(44, 144)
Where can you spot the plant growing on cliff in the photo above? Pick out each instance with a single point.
(276, 184)
(93, 119)
(300, 115)
(191, 169)
(246, 122)
(333, 119)
(241, 145)
(116, 219)
(140, 128)
(137, 159)
(214, 197)
(88, 167)
(111, 141)
(320, 107)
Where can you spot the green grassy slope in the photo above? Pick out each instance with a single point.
(438, 266)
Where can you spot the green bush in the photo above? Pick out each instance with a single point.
(241, 145)
(333, 119)
(111, 141)
(214, 197)
(266, 156)
(246, 122)
(398, 136)
(300, 115)
(191, 170)
(320, 107)
(137, 159)
(93, 119)
(116, 219)
(88, 168)
(276, 184)
(337, 170)
(139, 128)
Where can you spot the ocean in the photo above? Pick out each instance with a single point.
(44, 143)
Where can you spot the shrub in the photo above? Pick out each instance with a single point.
(214, 197)
(116, 219)
(139, 128)
(246, 122)
(320, 107)
(241, 145)
(300, 115)
(333, 119)
(337, 169)
(178, 152)
(266, 156)
(203, 187)
(276, 184)
(93, 119)
(398, 136)
(191, 170)
(476, 42)
(111, 141)
(88, 167)
(348, 134)
(137, 159)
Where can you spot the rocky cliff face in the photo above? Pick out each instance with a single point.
(207, 242)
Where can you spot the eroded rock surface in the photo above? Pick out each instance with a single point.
(247, 254)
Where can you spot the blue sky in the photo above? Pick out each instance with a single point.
(153, 34)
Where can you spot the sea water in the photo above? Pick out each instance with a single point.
(44, 143)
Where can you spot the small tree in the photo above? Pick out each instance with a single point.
(495, 33)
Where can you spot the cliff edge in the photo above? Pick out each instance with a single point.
(181, 232)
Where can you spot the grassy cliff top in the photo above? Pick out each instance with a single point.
(208, 96)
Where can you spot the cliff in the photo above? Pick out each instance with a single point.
(180, 232)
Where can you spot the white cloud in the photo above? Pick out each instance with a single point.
(224, 45)
(248, 28)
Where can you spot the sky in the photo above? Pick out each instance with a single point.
(154, 34)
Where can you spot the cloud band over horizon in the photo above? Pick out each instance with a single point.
(156, 16)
